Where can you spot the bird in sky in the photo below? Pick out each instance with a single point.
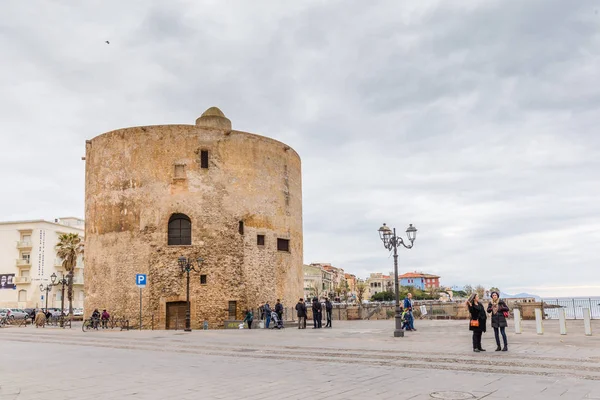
(107, 42)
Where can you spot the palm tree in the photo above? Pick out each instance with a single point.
(69, 248)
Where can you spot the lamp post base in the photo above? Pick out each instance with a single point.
(398, 333)
(187, 330)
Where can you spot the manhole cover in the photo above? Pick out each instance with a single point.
(452, 395)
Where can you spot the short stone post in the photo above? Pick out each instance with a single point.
(517, 315)
(539, 326)
(562, 320)
(587, 323)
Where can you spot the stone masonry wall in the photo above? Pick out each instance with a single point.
(132, 190)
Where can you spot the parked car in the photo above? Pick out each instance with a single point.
(16, 313)
(78, 312)
(3, 312)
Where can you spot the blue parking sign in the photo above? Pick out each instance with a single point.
(141, 280)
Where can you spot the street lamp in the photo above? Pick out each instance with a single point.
(186, 266)
(392, 242)
(48, 288)
(62, 281)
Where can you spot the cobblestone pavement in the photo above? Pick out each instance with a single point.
(354, 359)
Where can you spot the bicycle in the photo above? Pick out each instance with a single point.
(90, 323)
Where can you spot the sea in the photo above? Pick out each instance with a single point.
(573, 306)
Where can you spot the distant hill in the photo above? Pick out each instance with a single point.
(518, 295)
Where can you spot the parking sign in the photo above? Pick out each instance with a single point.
(141, 280)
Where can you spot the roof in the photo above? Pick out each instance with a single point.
(417, 275)
(38, 221)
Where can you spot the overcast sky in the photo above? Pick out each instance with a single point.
(477, 121)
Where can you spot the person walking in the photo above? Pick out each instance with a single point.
(267, 309)
(499, 310)
(328, 309)
(408, 307)
(477, 322)
(301, 313)
(317, 315)
(40, 319)
(249, 318)
(279, 310)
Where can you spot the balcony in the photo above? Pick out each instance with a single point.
(22, 280)
(77, 280)
(23, 263)
(24, 245)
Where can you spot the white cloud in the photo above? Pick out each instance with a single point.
(476, 121)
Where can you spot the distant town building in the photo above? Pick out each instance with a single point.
(419, 280)
(28, 258)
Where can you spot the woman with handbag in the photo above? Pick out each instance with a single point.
(499, 311)
(477, 322)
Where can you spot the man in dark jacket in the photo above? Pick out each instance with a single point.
(279, 310)
(301, 312)
(328, 309)
(317, 314)
(267, 309)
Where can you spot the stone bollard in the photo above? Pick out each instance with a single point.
(587, 323)
(562, 320)
(517, 315)
(539, 326)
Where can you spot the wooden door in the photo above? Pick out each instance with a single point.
(176, 314)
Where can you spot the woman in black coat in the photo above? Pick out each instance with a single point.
(499, 310)
(477, 314)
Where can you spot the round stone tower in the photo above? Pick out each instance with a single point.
(157, 193)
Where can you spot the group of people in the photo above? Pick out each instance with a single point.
(266, 314)
(317, 312)
(499, 312)
(98, 318)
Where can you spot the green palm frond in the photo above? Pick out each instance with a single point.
(69, 248)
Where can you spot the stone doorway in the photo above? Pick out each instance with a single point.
(176, 314)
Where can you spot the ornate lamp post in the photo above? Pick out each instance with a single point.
(63, 282)
(392, 242)
(48, 288)
(186, 266)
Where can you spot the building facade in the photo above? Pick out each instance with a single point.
(420, 280)
(157, 193)
(28, 258)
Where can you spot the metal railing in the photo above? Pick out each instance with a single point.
(573, 307)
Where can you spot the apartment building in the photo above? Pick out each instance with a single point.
(28, 258)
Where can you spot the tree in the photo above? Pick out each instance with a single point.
(480, 291)
(468, 289)
(495, 289)
(361, 288)
(69, 248)
(383, 296)
(315, 289)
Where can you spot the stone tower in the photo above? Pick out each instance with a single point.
(156, 193)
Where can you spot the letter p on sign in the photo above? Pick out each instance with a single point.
(141, 280)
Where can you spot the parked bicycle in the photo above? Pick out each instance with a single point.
(90, 323)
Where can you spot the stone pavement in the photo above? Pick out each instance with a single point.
(354, 359)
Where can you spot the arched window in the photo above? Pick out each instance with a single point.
(22, 295)
(180, 230)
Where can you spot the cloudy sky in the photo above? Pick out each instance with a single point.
(477, 121)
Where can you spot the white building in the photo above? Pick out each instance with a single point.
(28, 258)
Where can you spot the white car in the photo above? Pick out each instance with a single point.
(15, 313)
(3, 312)
(78, 312)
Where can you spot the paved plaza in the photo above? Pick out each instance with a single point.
(355, 359)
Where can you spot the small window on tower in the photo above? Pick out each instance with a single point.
(283, 244)
(241, 227)
(260, 240)
(179, 171)
(203, 279)
(232, 309)
(203, 158)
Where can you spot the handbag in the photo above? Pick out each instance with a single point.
(475, 323)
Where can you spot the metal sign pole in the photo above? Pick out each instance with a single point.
(140, 309)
